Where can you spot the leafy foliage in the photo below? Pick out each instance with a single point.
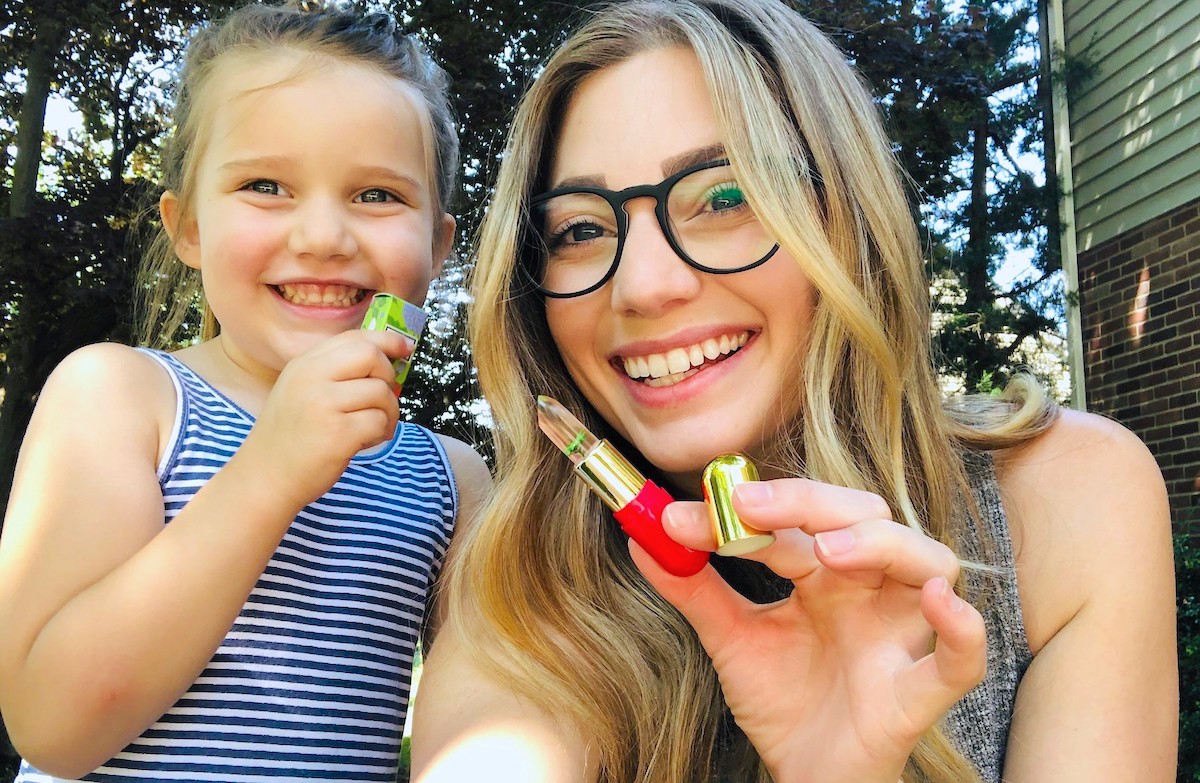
(1187, 599)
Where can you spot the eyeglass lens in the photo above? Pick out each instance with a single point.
(708, 218)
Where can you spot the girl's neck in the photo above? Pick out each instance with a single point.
(247, 385)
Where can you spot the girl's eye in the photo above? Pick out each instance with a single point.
(265, 186)
(377, 196)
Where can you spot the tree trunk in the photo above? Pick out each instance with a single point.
(22, 373)
(31, 122)
(976, 279)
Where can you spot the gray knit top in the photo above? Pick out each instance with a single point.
(978, 724)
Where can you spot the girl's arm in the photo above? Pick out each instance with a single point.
(474, 484)
(1092, 532)
(467, 725)
(109, 616)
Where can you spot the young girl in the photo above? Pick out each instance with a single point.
(266, 631)
(699, 243)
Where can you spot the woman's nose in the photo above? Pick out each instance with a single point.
(651, 278)
(323, 230)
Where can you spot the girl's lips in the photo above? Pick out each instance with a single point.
(319, 293)
(340, 309)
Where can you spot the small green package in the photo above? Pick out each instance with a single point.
(388, 313)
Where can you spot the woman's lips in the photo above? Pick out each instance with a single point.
(678, 364)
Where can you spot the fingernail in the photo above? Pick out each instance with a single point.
(670, 518)
(754, 493)
(835, 542)
(953, 602)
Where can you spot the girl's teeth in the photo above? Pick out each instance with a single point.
(658, 364)
(315, 295)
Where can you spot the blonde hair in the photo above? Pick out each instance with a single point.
(575, 627)
(169, 290)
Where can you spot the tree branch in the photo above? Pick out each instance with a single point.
(1027, 287)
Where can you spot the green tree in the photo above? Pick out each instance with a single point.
(962, 94)
(65, 261)
(491, 51)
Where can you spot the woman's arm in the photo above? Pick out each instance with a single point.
(474, 484)
(469, 726)
(1092, 528)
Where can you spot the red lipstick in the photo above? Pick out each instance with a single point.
(636, 502)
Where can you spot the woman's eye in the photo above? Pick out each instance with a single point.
(376, 196)
(264, 186)
(582, 232)
(725, 197)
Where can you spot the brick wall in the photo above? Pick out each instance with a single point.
(1140, 301)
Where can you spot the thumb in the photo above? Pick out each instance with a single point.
(705, 600)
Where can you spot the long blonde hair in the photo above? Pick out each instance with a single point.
(543, 585)
(169, 290)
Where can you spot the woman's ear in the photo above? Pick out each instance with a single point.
(185, 237)
(443, 242)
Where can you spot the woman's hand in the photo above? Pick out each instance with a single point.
(838, 681)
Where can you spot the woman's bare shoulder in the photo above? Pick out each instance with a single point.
(1085, 501)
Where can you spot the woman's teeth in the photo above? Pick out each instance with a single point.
(318, 295)
(677, 364)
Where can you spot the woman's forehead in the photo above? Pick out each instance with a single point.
(630, 120)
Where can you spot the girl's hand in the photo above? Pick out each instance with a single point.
(327, 405)
(838, 681)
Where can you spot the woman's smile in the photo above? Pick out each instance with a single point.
(679, 364)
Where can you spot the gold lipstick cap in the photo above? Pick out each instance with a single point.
(734, 537)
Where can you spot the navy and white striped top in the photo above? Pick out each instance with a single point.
(312, 681)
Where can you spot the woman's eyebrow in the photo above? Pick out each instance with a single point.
(678, 163)
(670, 167)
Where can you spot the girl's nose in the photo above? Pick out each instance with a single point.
(322, 230)
(651, 278)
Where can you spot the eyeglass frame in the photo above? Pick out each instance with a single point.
(616, 200)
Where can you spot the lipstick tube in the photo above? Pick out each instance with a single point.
(388, 313)
(734, 537)
(636, 502)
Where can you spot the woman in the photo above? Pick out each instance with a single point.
(791, 325)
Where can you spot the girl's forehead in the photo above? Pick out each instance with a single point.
(313, 117)
(284, 96)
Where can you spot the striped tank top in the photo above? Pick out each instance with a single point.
(312, 680)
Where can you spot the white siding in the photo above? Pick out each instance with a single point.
(1135, 125)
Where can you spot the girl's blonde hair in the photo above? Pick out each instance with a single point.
(169, 290)
(543, 586)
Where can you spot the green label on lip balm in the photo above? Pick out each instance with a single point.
(388, 313)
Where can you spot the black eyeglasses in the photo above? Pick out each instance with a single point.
(577, 233)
